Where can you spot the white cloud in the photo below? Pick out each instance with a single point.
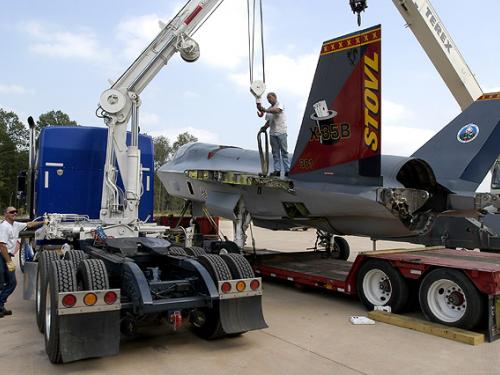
(203, 135)
(285, 75)
(136, 33)
(403, 141)
(64, 44)
(222, 39)
(149, 119)
(15, 89)
(394, 114)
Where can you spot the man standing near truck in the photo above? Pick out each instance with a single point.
(9, 233)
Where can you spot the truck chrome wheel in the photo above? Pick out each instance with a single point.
(47, 312)
(446, 300)
(377, 287)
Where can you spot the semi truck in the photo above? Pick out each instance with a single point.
(100, 266)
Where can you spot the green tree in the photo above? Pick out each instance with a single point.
(13, 155)
(17, 132)
(54, 118)
(182, 139)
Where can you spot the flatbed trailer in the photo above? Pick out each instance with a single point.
(454, 287)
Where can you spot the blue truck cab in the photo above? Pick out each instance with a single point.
(69, 171)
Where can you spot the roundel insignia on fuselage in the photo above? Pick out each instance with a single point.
(468, 133)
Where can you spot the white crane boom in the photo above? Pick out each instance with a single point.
(121, 102)
(436, 41)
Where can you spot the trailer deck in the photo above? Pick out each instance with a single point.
(313, 268)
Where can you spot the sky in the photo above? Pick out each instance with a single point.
(60, 55)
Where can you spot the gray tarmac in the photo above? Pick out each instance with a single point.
(309, 333)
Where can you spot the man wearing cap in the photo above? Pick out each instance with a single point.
(9, 233)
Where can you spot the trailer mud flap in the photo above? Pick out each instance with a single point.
(241, 314)
(493, 318)
(89, 335)
(29, 281)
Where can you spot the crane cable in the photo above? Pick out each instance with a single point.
(251, 21)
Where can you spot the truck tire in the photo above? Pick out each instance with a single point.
(92, 275)
(209, 326)
(195, 251)
(380, 284)
(448, 297)
(215, 266)
(61, 278)
(177, 250)
(341, 248)
(238, 265)
(46, 258)
(75, 256)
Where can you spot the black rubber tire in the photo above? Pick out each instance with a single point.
(342, 248)
(177, 250)
(75, 256)
(475, 305)
(399, 291)
(218, 269)
(92, 275)
(195, 251)
(44, 261)
(239, 266)
(61, 278)
(215, 266)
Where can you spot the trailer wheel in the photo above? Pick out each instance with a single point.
(238, 265)
(448, 297)
(75, 256)
(92, 275)
(206, 321)
(341, 248)
(176, 250)
(46, 258)
(61, 278)
(379, 284)
(195, 251)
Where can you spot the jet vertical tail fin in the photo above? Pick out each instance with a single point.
(462, 153)
(340, 136)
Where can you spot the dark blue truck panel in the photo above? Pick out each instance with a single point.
(69, 171)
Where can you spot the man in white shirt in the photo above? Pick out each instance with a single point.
(276, 120)
(9, 233)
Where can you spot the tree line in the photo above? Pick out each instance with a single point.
(14, 145)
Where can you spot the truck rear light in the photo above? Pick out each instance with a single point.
(110, 298)
(90, 299)
(254, 284)
(241, 286)
(69, 300)
(225, 287)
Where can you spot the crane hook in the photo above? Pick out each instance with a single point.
(358, 6)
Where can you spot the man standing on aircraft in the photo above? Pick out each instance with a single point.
(276, 120)
(9, 232)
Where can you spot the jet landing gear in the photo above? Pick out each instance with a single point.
(334, 246)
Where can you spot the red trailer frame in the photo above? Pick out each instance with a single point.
(312, 269)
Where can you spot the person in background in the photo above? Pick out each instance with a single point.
(9, 233)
